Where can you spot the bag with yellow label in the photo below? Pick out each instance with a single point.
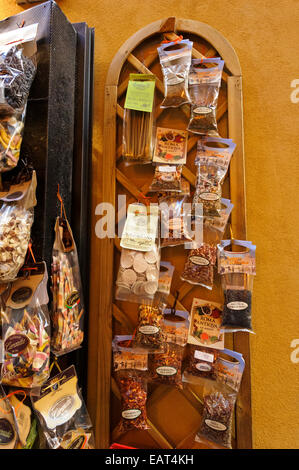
(26, 328)
(62, 413)
(68, 305)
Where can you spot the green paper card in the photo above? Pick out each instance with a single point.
(140, 92)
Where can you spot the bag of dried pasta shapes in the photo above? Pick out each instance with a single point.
(130, 365)
(16, 219)
(175, 60)
(219, 398)
(150, 327)
(166, 367)
(204, 83)
(175, 220)
(212, 160)
(17, 71)
(167, 178)
(68, 305)
(9, 432)
(237, 267)
(62, 414)
(26, 329)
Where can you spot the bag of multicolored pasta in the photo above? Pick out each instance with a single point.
(68, 305)
(175, 60)
(9, 433)
(150, 327)
(204, 83)
(236, 264)
(175, 220)
(212, 159)
(26, 329)
(16, 219)
(219, 398)
(167, 178)
(62, 414)
(130, 365)
(17, 71)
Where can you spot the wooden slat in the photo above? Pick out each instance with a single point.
(123, 319)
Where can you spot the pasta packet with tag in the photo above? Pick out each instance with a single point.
(175, 212)
(62, 413)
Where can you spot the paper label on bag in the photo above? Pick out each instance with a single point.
(204, 356)
(199, 260)
(166, 370)
(141, 228)
(18, 36)
(170, 146)
(131, 414)
(237, 305)
(140, 93)
(215, 425)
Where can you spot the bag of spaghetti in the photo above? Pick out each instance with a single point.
(130, 365)
(68, 306)
(26, 329)
(16, 219)
(17, 71)
(62, 414)
(219, 398)
(9, 433)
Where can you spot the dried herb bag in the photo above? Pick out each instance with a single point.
(26, 330)
(167, 178)
(204, 83)
(67, 311)
(237, 269)
(130, 365)
(175, 60)
(16, 219)
(17, 71)
(62, 414)
(175, 230)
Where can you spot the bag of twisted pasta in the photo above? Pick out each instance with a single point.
(219, 398)
(68, 305)
(16, 219)
(26, 329)
(9, 433)
(62, 414)
(166, 367)
(17, 71)
(175, 60)
(130, 365)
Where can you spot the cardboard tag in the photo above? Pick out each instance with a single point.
(140, 92)
(141, 228)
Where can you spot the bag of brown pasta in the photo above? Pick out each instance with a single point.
(199, 266)
(9, 433)
(62, 414)
(200, 362)
(212, 159)
(16, 219)
(150, 328)
(26, 329)
(219, 398)
(175, 60)
(175, 220)
(17, 71)
(129, 367)
(204, 83)
(68, 304)
(167, 178)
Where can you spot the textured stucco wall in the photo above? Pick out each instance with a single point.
(265, 36)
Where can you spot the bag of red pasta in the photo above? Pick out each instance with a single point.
(129, 367)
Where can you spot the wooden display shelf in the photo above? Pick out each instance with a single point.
(174, 416)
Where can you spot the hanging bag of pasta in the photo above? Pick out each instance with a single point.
(68, 305)
(26, 329)
(204, 83)
(17, 71)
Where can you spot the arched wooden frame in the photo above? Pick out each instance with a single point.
(102, 302)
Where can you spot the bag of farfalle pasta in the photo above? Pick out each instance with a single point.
(17, 71)
(26, 329)
(68, 306)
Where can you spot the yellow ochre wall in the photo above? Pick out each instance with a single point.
(265, 36)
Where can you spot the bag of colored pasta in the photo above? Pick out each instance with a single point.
(175, 221)
(212, 159)
(130, 366)
(17, 71)
(175, 60)
(219, 398)
(150, 327)
(9, 433)
(199, 266)
(62, 414)
(16, 219)
(26, 329)
(204, 83)
(166, 367)
(68, 305)
(167, 178)
(236, 264)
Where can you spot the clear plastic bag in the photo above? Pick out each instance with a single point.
(204, 84)
(237, 269)
(199, 266)
(62, 413)
(167, 178)
(166, 367)
(16, 219)
(212, 161)
(26, 329)
(17, 71)
(150, 328)
(175, 60)
(9, 435)
(68, 305)
(200, 362)
(174, 220)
